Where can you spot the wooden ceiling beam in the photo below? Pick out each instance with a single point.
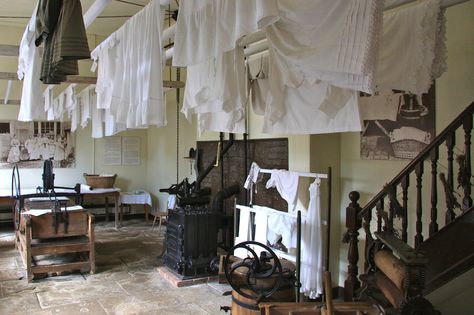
(10, 102)
(88, 80)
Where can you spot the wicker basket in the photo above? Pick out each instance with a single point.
(100, 181)
(407, 149)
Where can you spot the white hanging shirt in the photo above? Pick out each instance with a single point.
(215, 90)
(314, 107)
(412, 48)
(29, 67)
(286, 183)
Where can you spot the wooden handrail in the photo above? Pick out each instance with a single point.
(423, 155)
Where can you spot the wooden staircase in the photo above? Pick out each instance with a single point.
(436, 183)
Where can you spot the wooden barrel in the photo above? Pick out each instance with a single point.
(242, 305)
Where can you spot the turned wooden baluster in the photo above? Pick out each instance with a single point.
(450, 142)
(419, 178)
(368, 236)
(434, 154)
(353, 224)
(405, 183)
(467, 200)
(392, 191)
(379, 208)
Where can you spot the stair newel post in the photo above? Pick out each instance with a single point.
(353, 224)
(467, 200)
(419, 226)
(405, 183)
(379, 211)
(450, 142)
(434, 155)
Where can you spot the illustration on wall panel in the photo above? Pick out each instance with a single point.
(397, 125)
(29, 143)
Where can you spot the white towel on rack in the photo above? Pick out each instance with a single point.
(282, 226)
(244, 232)
(311, 243)
(286, 183)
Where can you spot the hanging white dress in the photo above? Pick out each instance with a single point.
(311, 246)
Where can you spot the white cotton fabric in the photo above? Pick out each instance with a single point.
(106, 71)
(215, 91)
(244, 232)
(312, 246)
(252, 179)
(334, 41)
(314, 107)
(48, 101)
(97, 118)
(29, 67)
(412, 48)
(286, 183)
(382, 105)
(207, 28)
(283, 226)
(130, 81)
(84, 103)
(257, 66)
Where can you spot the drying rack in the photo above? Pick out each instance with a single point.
(297, 259)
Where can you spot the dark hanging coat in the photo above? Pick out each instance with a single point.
(60, 25)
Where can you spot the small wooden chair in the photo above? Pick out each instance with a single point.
(160, 215)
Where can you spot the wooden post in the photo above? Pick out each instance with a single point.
(405, 184)
(91, 243)
(353, 224)
(434, 191)
(450, 142)
(419, 205)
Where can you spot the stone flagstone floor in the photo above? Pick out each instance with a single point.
(126, 280)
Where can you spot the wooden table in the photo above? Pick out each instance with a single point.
(105, 193)
(138, 197)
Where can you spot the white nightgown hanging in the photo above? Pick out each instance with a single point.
(311, 246)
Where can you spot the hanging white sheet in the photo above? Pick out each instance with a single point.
(29, 67)
(207, 28)
(257, 76)
(334, 41)
(413, 48)
(311, 242)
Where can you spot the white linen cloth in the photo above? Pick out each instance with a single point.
(252, 179)
(207, 28)
(136, 198)
(286, 183)
(215, 90)
(333, 41)
(283, 226)
(84, 103)
(312, 248)
(412, 48)
(48, 101)
(134, 62)
(29, 67)
(244, 232)
(261, 228)
(257, 76)
(171, 202)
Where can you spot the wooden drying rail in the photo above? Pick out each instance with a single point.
(89, 80)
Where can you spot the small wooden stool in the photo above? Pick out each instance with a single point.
(160, 216)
